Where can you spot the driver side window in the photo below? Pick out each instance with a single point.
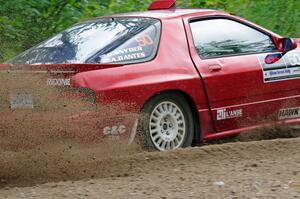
(223, 37)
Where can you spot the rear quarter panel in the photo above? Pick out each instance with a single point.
(172, 69)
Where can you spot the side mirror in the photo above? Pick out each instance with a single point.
(286, 44)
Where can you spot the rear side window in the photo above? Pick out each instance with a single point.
(107, 40)
(224, 37)
(140, 45)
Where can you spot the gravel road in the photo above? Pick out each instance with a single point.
(255, 169)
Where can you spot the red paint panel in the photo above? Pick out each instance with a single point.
(172, 69)
(239, 86)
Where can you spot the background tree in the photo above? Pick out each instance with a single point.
(24, 23)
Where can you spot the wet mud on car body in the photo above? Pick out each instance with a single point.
(190, 74)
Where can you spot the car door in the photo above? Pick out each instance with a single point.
(242, 89)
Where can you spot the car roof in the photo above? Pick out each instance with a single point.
(171, 13)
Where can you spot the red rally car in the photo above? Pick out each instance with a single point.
(194, 74)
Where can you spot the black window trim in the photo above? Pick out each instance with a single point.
(235, 20)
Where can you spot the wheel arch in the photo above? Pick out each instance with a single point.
(197, 137)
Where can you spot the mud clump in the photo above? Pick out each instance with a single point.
(57, 113)
(61, 135)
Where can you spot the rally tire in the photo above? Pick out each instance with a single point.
(166, 123)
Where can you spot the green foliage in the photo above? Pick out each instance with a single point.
(24, 23)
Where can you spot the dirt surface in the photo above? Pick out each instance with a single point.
(58, 150)
(256, 169)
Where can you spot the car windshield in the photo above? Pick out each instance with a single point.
(107, 40)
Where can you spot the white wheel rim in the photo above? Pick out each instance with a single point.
(167, 126)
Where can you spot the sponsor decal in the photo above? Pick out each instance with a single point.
(114, 130)
(21, 101)
(58, 82)
(145, 40)
(293, 59)
(288, 67)
(289, 113)
(224, 114)
(125, 51)
(124, 55)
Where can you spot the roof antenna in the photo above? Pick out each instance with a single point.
(162, 5)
